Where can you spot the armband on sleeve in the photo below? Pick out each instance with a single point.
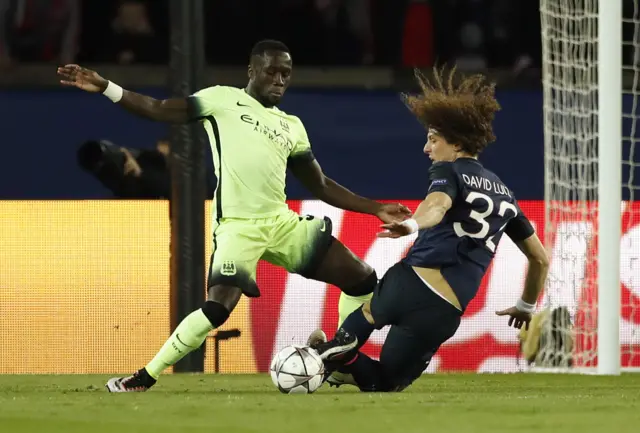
(442, 178)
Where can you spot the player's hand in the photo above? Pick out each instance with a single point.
(131, 166)
(394, 230)
(82, 78)
(517, 318)
(390, 212)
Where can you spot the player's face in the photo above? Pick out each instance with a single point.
(438, 148)
(270, 77)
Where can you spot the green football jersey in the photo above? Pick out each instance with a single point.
(250, 145)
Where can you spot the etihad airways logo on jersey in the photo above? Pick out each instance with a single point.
(277, 136)
(291, 307)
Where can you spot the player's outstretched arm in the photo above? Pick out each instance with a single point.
(167, 110)
(429, 213)
(307, 170)
(537, 272)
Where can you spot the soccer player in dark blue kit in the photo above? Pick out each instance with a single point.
(459, 225)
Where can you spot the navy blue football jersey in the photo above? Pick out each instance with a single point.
(463, 244)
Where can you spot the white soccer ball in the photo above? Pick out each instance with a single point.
(297, 370)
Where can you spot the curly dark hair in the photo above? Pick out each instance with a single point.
(462, 114)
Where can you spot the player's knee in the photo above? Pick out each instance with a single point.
(395, 381)
(227, 296)
(365, 287)
(215, 312)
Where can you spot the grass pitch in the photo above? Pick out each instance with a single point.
(435, 403)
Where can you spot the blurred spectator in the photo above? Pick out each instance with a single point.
(299, 24)
(128, 172)
(480, 34)
(38, 31)
(357, 14)
(475, 34)
(133, 38)
(389, 24)
(133, 173)
(470, 46)
(514, 35)
(417, 40)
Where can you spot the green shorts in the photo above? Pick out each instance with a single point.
(296, 243)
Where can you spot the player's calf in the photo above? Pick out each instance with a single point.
(340, 267)
(187, 337)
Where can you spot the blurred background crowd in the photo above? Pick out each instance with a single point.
(379, 40)
(476, 34)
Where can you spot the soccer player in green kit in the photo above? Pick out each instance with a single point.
(253, 144)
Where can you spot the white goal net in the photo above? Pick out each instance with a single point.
(573, 151)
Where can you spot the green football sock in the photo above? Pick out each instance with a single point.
(348, 304)
(188, 336)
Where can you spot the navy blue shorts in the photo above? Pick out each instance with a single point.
(420, 322)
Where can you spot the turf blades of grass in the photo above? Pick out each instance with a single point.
(209, 403)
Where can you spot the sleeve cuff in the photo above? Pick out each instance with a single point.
(305, 156)
(193, 108)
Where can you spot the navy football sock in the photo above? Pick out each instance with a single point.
(366, 372)
(356, 324)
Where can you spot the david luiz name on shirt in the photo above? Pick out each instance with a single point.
(480, 182)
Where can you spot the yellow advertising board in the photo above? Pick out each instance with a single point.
(84, 288)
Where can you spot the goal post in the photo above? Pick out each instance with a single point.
(586, 156)
(609, 183)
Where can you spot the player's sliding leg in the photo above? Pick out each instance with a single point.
(422, 322)
(343, 349)
(187, 337)
(346, 305)
(343, 269)
(405, 354)
(305, 246)
(354, 278)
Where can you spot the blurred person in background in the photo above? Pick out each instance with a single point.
(357, 14)
(514, 41)
(481, 34)
(132, 37)
(38, 31)
(129, 172)
(417, 35)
